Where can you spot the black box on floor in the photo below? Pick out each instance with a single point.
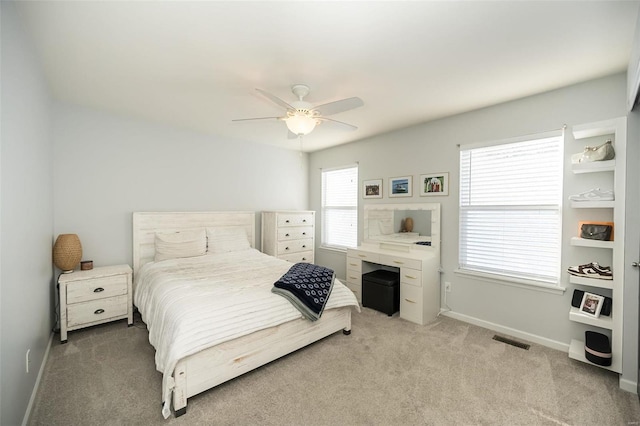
(597, 348)
(381, 291)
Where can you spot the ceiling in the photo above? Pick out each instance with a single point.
(196, 65)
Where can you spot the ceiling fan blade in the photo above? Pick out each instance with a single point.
(276, 100)
(259, 118)
(341, 123)
(339, 106)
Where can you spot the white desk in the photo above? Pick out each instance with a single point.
(419, 277)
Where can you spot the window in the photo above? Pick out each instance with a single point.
(340, 207)
(511, 211)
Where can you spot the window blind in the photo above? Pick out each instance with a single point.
(340, 207)
(510, 209)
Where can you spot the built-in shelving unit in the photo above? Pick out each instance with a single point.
(615, 130)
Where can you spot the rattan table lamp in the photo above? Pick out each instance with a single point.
(67, 252)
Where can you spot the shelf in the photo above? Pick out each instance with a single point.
(602, 321)
(591, 130)
(593, 204)
(583, 242)
(592, 282)
(594, 167)
(576, 351)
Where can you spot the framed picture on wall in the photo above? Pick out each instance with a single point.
(591, 304)
(401, 186)
(372, 188)
(434, 184)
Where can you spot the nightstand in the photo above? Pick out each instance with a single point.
(100, 295)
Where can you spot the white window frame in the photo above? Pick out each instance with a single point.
(326, 239)
(466, 206)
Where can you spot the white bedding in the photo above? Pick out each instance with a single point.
(191, 304)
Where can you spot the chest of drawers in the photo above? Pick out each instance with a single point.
(289, 235)
(94, 297)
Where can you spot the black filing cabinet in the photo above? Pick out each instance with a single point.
(381, 291)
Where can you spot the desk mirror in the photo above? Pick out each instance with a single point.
(417, 223)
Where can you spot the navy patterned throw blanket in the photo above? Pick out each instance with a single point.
(307, 287)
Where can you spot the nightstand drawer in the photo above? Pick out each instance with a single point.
(96, 310)
(97, 288)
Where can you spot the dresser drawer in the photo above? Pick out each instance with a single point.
(294, 246)
(411, 303)
(295, 219)
(354, 264)
(294, 233)
(411, 277)
(354, 277)
(304, 256)
(401, 262)
(96, 310)
(364, 255)
(96, 288)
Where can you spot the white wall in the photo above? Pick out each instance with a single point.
(432, 147)
(106, 167)
(26, 213)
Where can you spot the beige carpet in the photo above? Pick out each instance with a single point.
(387, 372)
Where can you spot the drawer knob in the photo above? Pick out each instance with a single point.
(398, 262)
(304, 233)
(304, 220)
(286, 221)
(99, 311)
(410, 277)
(409, 301)
(304, 246)
(286, 248)
(304, 258)
(286, 235)
(98, 290)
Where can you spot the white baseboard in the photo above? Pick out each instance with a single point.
(628, 385)
(27, 413)
(509, 331)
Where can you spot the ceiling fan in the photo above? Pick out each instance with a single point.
(301, 117)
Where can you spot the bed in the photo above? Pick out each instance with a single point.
(211, 316)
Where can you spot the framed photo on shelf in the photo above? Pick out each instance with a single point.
(591, 304)
(401, 186)
(372, 188)
(434, 184)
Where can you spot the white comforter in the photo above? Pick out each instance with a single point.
(194, 303)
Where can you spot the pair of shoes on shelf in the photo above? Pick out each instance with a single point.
(595, 194)
(591, 270)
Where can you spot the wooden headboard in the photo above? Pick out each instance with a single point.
(146, 224)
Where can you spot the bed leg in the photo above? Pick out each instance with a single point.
(346, 332)
(180, 390)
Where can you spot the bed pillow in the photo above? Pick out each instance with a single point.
(173, 245)
(227, 239)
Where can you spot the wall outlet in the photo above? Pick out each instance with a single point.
(27, 359)
(447, 286)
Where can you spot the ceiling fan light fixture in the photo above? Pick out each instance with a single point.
(300, 123)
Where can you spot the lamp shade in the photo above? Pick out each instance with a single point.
(67, 252)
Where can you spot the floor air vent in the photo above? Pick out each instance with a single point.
(512, 342)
